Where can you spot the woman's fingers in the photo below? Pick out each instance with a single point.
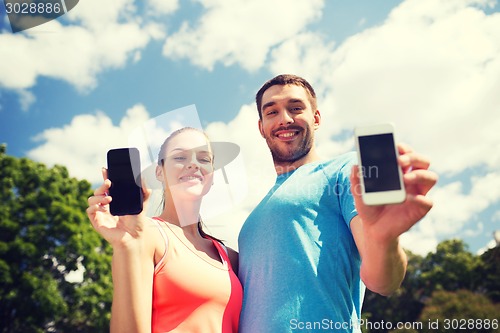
(99, 200)
(104, 172)
(103, 189)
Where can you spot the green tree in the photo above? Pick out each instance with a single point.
(489, 272)
(44, 235)
(460, 311)
(404, 305)
(452, 267)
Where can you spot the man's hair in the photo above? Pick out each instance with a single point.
(282, 80)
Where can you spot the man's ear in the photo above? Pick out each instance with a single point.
(261, 130)
(317, 119)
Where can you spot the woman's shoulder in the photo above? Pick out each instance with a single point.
(157, 238)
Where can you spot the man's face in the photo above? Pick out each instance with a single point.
(288, 122)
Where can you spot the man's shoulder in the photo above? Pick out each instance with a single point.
(341, 163)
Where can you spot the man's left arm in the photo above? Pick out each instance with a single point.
(376, 229)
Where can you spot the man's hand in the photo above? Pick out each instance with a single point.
(387, 222)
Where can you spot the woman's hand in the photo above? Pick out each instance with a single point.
(119, 231)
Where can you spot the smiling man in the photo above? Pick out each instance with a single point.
(289, 134)
(311, 245)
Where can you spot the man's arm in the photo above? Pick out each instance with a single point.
(383, 263)
(376, 229)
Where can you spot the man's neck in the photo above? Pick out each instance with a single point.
(284, 167)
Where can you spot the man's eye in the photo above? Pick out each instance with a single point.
(179, 158)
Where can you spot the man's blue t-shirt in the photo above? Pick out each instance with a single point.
(298, 262)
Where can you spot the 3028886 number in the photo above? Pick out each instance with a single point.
(470, 324)
(31, 8)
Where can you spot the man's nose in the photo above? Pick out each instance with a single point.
(286, 118)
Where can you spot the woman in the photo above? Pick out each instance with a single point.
(168, 275)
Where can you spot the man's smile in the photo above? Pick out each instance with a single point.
(287, 134)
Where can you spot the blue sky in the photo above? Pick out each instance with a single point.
(74, 87)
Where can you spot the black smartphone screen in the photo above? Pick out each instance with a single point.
(125, 189)
(379, 163)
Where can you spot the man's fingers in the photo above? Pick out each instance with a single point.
(420, 181)
(403, 148)
(413, 161)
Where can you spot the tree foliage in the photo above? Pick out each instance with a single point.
(489, 274)
(450, 283)
(450, 268)
(44, 235)
(461, 310)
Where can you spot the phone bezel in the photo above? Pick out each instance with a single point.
(380, 197)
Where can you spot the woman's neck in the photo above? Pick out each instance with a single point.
(183, 213)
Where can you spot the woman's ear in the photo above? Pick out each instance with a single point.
(159, 173)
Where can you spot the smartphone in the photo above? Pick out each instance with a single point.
(381, 176)
(124, 166)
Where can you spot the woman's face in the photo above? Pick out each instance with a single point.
(188, 165)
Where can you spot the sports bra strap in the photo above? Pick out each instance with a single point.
(165, 238)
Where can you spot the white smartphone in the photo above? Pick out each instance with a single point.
(381, 176)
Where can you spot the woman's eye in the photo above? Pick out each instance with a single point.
(179, 158)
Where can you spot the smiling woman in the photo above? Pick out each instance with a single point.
(171, 251)
(188, 158)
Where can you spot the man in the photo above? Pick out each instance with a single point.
(311, 245)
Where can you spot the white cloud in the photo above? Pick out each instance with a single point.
(102, 35)
(243, 131)
(26, 99)
(491, 244)
(81, 146)
(432, 68)
(454, 212)
(240, 32)
(260, 174)
(160, 7)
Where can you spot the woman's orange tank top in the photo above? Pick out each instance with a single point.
(191, 294)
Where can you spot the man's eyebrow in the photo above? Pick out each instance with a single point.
(290, 101)
(295, 100)
(268, 104)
